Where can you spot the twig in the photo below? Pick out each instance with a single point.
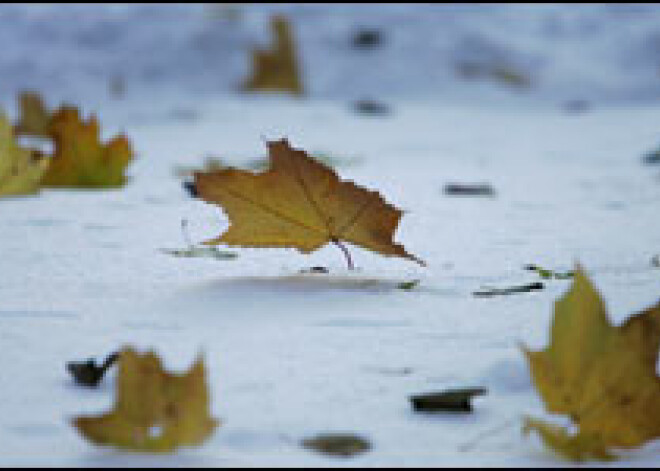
(347, 254)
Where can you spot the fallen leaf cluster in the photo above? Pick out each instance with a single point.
(79, 159)
(602, 376)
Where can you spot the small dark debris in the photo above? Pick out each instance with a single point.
(655, 261)
(191, 189)
(184, 114)
(512, 290)
(577, 106)
(87, 373)
(393, 371)
(548, 274)
(408, 285)
(368, 38)
(341, 445)
(117, 86)
(317, 269)
(371, 108)
(469, 189)
(452, 400)
(652, 157)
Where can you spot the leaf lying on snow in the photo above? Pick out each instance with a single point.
(276, 69)
(154, 411)
(21, 170)
(602, 376)
(81, 160)
(300, 203)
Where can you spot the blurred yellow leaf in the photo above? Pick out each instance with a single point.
(575, 447)
(276, 69)
(34, 115)
(155, 411)
(602, 376)
(21, 170)
(81, 160)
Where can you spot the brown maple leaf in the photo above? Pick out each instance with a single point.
(81, 159)
(300, 203)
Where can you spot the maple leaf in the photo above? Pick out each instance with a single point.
(154, 411)
(602, 376)
(80, 159)
(276, 69)
(34, 115)
(21, 170)
(300, 203)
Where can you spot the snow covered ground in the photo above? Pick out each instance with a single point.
(292, 355)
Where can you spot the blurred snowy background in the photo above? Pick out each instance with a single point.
(484, 53)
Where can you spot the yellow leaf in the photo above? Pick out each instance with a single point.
(579, 447)
(300, 203)
(602, 376)
(81, 160)
(154, 411)
(21, 169)
(276, 69)
(34, 116)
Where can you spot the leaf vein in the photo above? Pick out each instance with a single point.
(272, 211)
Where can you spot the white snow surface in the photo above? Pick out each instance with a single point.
(290, 355)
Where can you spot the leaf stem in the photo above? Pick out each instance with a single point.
(347, 254)
(112, 358)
